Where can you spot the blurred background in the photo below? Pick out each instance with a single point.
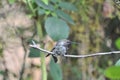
(94, 24)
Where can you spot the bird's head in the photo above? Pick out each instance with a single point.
(64, 42)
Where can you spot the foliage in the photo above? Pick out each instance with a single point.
(1, 72)
(117, 43)
(56, 26)
(55, 71)
(113, 72)
(34, 53)
(1, 49)
(11, 1)
(56, 17)
(92, 23)
(117, 63)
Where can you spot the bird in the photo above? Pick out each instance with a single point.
(60, 48)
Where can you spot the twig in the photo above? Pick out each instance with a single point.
(25, 55)
(24, 60)
(43, 50)
(91, 55)
(78, 56)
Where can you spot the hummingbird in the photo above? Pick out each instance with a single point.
(60, 48)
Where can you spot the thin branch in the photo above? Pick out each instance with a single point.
(24, 60)
(43, 50)
(77, 56)
(91, 55)
(25, 54)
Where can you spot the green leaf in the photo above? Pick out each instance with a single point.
(41, 11)
(1, 72)
(54, 1)
(117, 63)
(47, 12)
(117, 43)
(1, 49)
(56, 28)
(11, 1)
(64, 16)
(55, 70)
(45, 1)
(67, 6)
(44, 6)
(113, 72)
(34, 53)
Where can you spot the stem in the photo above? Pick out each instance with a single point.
(42, 56)
(24, 57)
(31, 7)
(24, 61)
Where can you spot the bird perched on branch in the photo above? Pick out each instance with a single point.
(60, 48)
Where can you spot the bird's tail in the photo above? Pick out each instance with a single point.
(54, 57)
